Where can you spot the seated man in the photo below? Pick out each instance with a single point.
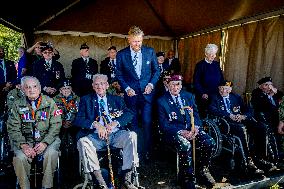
(102, 119)
(174, 119)
(33, 126)
(68, 102)
(231, 107)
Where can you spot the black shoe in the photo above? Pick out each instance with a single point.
(267, 166)
(206, 175)
(253, 168)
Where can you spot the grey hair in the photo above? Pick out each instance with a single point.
(135, 31)
(211, 48)
(27, 78)
(100, 76)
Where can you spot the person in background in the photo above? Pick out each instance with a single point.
(206, 79)
(174, 109)
(68, 102)
(137, 72)
(48, 71)
(8, 76)
(108, 65)
(82, 72)
(15, 94)
(172, 64)
(33, 126)
(23, 62)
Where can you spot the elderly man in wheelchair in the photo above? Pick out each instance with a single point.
(102, 119)
(238, 121)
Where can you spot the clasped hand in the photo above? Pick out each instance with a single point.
(104, 131)
(189, 134)
(32, 152)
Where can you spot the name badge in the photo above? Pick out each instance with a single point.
(88, 76)
(37, 134)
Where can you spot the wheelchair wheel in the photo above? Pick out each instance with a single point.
(212, 130)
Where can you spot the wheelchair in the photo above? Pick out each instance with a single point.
(116, 159)
(219, 130)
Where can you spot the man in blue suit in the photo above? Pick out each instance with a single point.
(174, 108)
(103, 118)
(137, 72)
(230, 106)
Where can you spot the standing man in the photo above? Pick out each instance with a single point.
(82, 72)
(137, 72)
(33, 126)
(206, 78)
(8, 75)
(103, 118)
(172, 64)
(48, 71)
(108, 64)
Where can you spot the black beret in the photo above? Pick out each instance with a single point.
(112, 48)
(264, 80)
(84, 46)
(175, 77)
(160, 54)
(226, 83)
(65, 83)
(46, 46)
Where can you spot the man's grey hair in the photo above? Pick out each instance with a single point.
(211, 48)
(135, 31)
(100, 76)
(27, 78)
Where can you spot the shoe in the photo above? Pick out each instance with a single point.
(267, 166)
(252, 167)
(127, 184)
(205, 173)
(97, 176)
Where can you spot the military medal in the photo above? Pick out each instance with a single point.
(57, 74)
(236, 109)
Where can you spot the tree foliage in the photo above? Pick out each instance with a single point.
(10, 40)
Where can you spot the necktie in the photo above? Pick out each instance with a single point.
(86, 61)
(112, 63)
(271, 100)
(177, 102)
(161, 68)
(102, 106)
(135, 59)
(228, 105)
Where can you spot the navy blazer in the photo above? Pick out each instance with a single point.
(217, 106)
(80, 84)
(126, 74)
(11, 73)
(174, 67)
(170, 118)
(89, 111)
(106, 68)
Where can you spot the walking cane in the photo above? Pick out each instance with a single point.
(109, 157)
(192, 129)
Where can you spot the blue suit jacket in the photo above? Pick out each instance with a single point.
(126, 74)
(170, 118)
(218, 108)
(89, 111)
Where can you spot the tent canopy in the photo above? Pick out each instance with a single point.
(173, 18)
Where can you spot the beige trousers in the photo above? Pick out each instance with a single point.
(22, 165)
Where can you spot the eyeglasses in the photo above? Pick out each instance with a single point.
(47, 52)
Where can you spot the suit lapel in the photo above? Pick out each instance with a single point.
(95, 106)
(143, 66)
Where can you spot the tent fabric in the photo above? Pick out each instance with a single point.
(254, 51)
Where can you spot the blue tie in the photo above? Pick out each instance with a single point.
(135, 59)
(102, 106)
(228, 105)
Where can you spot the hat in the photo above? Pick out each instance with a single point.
(226, 83)
(175, 77)
(160, 54)
(84, 46)
(264, 80)
(65, 83)
(46, 46)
